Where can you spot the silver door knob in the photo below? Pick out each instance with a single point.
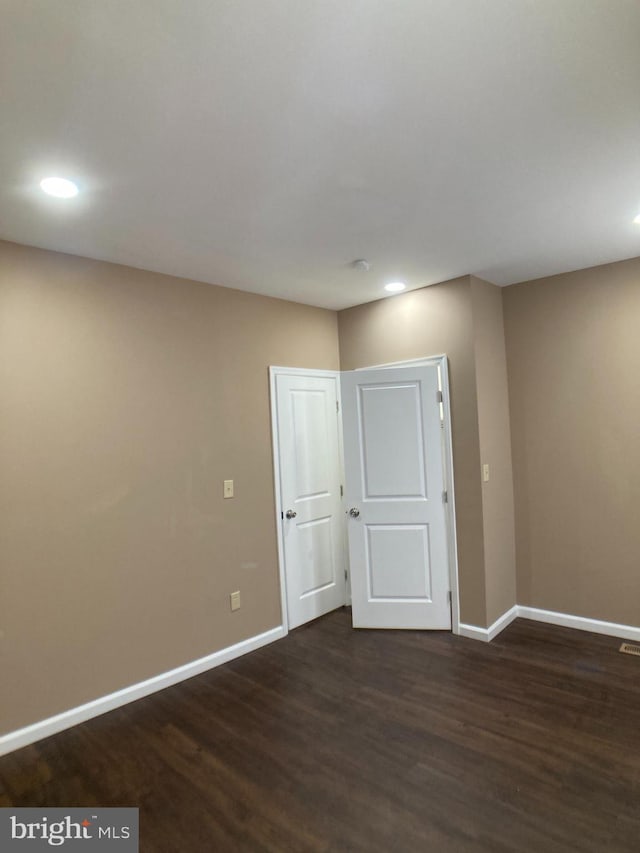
(291, 513)
(354, 512)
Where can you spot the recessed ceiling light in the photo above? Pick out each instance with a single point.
(637, 219)
(395, 286)
(59, 187)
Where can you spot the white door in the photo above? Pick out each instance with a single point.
(395, 496)
(312, 517)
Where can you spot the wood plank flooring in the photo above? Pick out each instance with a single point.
(341, 740)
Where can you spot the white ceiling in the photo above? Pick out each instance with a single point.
(265, 144)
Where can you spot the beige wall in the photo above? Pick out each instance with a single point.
(431, 321)
(126, 398)
(573, 347)
(495, 448)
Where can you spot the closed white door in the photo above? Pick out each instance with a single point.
(395, 498)
(312, 516)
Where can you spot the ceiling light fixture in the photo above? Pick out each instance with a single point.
(395, 286)
(362, 265)
(59, 187)
(637, 219)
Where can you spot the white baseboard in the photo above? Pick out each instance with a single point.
(53, 725)
(473, 632)
(564, 620)
(487, 634)
(596, 626)
(502, 621)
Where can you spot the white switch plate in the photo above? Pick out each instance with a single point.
(485, 473)
(228, 489)
(235, 600)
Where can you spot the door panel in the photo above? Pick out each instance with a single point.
(396, 474)
(315, 550)
(394, 483)
(309, 466)
(311, 443)
(384, 543)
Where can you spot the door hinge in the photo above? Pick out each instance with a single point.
(341, 491)
(439, 397)
(337, 406)
(445, 497)
(449, 596)
(346, 576)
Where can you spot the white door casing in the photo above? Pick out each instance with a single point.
(398, 546)
(307, 447)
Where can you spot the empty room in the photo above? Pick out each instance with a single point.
(319, 414)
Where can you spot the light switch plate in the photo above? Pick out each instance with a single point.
(235, 600)
(485, 473)
(228, 489)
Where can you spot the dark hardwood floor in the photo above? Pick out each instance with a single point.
(341, 740)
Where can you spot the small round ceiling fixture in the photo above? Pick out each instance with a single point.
(59, 187)
(395, 286)
(362, 265)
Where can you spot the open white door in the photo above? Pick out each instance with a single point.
(395, 493)
(312, 519)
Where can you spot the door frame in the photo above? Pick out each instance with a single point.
(442, 363)
(275, 438)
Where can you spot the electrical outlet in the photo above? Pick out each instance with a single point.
(227, 491)
(235, 600)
